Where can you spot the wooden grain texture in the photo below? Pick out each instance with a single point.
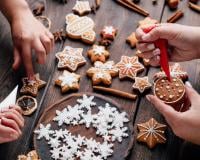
(175, 148)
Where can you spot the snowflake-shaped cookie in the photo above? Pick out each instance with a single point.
(102, 72)
(55, 153)
(118, 133)
(70, 58)
(68, 81)
(87, 119)
(54, 142)
(62, 117)
(86, 102)
(106, 149)
(44, 131)
(119, 119)
(129, 67)
(98, 53)
(141, 84)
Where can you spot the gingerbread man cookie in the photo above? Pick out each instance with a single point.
(80, 28)
(109, 32)
(82, 7)
(31, 87)
(102, 72)
(132, 40)
(151, 133)
(98, 53)
(147, 21)
(141, 84)
(70, 58)
(68, 81)
(129, 67)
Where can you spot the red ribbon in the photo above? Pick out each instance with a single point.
(162, 45)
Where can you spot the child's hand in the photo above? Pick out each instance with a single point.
(184, 124)
(11, 122)
(183, 42)
(29, 34)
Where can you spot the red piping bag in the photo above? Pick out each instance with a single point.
(162, 45)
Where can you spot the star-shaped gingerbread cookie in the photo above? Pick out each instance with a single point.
(31, 87)
(68, 81)
(129, 67)
(98, 53)
(102, 72)
(141, 84)
(70, 58)
(132, 40)
(151, 133)
(147, 21)
(109, 32)
(82, 7)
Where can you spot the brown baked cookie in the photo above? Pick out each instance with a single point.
(32, 155)
(68, 81)
(132, 40)
(70, 58)
(151, 133)
(129, 67)
(28, 104)
(109, 32)
(171, 93)
(82, 7)
(142, 84)
(175, 71)
(102, 72)
(98, 53)
(147, 21)
(31, 87)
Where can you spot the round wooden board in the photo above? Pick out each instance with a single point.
(121, 150)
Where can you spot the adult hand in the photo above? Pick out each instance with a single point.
(29, 34)
(11, 122)
(183, 42)
(185, 125)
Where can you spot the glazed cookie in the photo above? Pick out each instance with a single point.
(98, 53)
(175, 71)
(129, 67)
(68, 81)
(147, 21)
(32, 155)
(171, 93)
(102, 72)
(31, 87)
(142, 84)
(151, 133)
(132, 40)
(109, 32)
(80, 28)
(70, 58)
(28, 104)
(82, 7)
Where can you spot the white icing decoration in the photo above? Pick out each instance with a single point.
(128, 65)
(44, 131)
(108, 30)
(98, 50)
(68, 79)
(86, 102)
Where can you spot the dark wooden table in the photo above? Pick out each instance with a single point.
(126, 21)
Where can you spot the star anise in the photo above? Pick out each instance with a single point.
(60, 35)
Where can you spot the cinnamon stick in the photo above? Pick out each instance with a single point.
(195, 7)
(133, 7)
(177, 15)
(116, 92)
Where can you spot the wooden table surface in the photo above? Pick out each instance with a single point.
(110, 13)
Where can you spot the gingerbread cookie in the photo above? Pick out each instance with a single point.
(129, 67)
(142, 84)
(151, 133)
(172, 93)
(175, 71)
(82, 7)
(147, 21)
(28, 104)
(32, 155)
(80, 28)
(98, 53)
(31, 87)
(70, 58)
(102, 72)
(109, 32)
(68, 81)
(132, 40)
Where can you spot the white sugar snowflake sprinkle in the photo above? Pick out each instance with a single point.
(44, 131)
(92, 145)
(87, 119)
(119, 119)
(105, 149)
(58, 134)
(62, 117)
(118, 133)
(55, 153)
(54, 142)
(87, 155)
(86, 102)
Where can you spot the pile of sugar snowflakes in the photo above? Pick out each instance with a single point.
(108, 122)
